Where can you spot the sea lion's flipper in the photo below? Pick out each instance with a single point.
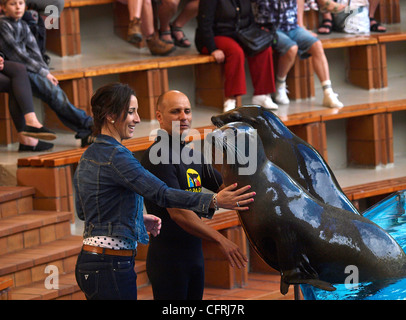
(297, 277)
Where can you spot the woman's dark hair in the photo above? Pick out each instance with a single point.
(112, 99)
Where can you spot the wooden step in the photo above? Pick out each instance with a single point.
(15, 200)
(33, 228)
(27, 270)
(19, 262)
(67, 290)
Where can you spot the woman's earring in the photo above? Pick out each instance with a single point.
(112, 121)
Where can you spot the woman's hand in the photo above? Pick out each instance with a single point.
(1, 63)
(218, 55)
(229, 198)
(152, 224)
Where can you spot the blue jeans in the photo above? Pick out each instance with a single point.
(298, 36)
(72, 117)
(106, 277)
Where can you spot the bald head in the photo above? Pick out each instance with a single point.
(174, 112)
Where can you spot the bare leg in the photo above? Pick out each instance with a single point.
(147, 19)
(134, 9)
(189, 12)
(32, 120)
(321, 69)
(167, 9)
(286, 62)
(320, 64)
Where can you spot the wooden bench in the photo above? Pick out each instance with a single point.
(149, 78)
(8, 133)
(369, 130)
(373, 192)
(5, 285)
(366, 66)
(66, 40)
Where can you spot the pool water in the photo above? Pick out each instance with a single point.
(390, 215)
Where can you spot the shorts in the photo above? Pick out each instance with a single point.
(298, 36)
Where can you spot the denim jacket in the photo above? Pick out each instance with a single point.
(110, 185)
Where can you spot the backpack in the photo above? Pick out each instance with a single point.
(37, 27)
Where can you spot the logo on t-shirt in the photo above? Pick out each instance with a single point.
(193, 181)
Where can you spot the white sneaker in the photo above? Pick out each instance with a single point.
(229, 104)
(281, 95)
(264, 100)
(331, 100)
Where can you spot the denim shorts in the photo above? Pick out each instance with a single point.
(298, 36)
(106, 277)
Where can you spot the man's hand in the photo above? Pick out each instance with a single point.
(153, 224)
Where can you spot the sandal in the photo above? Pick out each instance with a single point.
(374, 26)
(165, 33)
(327, 24)
(180, 42)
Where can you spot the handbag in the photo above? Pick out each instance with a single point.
(254, 39)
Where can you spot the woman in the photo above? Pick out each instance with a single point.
(216, 35)
(110, 185)
(14, 80)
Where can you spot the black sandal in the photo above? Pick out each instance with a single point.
(375, 27)
(165, 33)
(180, 42)
(326, 26)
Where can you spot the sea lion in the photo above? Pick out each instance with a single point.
(307, 240)
(295, 156)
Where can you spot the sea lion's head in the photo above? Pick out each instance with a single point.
(237, 147)
(247, 113)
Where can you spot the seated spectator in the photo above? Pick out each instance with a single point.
(19, 45)
(14, 80)
(216, 34)
(327, 24)
(141, 11)
(171, 32)
(292, 40)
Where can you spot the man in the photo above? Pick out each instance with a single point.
(175, 264)
(293, 39)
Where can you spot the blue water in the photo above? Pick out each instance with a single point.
(390, 215)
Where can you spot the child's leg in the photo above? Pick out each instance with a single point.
(72, 117)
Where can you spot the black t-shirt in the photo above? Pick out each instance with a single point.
(189, 177)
